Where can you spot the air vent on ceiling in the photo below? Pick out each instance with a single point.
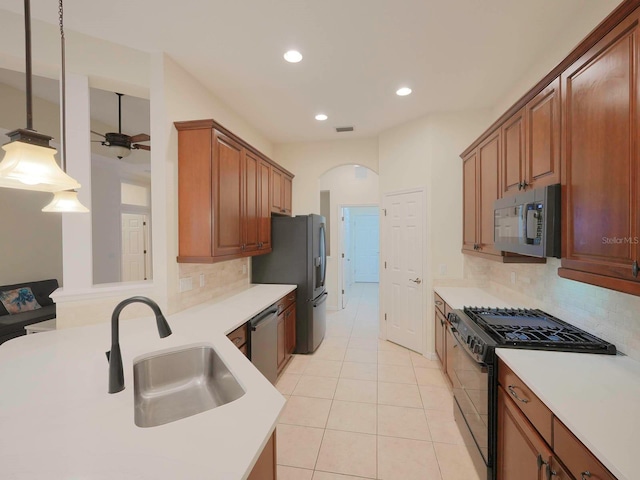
(344, 129)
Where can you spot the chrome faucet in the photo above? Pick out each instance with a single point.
(116, 374)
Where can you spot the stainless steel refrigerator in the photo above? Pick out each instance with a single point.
(299, 257)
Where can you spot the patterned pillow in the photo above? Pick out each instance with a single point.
(19, 300)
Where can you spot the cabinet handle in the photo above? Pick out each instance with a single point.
(515, 395)
(584, 475)
(237, 341)
(524, 185)
(520, 186)
(540, 462)
(634, 269)
(442, 322)
(550, 472)
(438, 302)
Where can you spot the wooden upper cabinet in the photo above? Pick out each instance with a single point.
(600, 151)
(251, 206)
(224, 194)
(513, 154)
(542, 151)
(281, 192)
(276, 191)
(228, 159)
(470, 202)
(488, 171)
(287, 192)
(264, 206)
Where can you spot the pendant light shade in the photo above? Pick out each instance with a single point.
(30, 165)
(65, 201)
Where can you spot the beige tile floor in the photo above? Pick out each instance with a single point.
(361, 408)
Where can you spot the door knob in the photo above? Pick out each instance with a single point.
(417, 280)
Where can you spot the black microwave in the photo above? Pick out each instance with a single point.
(528, 223)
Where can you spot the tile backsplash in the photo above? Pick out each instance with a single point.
(610, 315)
(220, 280)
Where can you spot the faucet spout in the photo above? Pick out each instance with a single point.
(116, 373)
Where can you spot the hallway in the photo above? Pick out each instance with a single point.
(361, 408)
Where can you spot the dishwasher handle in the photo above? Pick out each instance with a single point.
(263, 318)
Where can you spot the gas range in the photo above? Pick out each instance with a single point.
(472, 365)
(535, 329)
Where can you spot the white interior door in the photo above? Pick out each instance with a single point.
(134, 251)
(345, 254)
(404, 302)
(366, 229)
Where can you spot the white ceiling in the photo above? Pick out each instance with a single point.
(455, 55)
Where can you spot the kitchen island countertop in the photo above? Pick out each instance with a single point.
(59, 422)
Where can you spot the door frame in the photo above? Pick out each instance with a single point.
(341, 251)
(384, 279)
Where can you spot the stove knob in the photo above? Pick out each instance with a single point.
(477, 348)
(471, 343)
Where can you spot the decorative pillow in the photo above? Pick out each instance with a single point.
(19, 300)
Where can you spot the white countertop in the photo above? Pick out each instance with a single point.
(596, 396)
(58, 421)
(459, 297)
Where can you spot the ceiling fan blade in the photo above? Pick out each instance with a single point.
(96, 133)
(137, 146)
(141, 137)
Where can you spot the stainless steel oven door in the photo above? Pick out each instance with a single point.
(471, 392)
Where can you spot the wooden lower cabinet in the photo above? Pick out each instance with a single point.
(578, 459)
(450, 349)
(281, 352)
(290, 329)
(521, 450)
(239, 338)
(440, 325)
(265, 467)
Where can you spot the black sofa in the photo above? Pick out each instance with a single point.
(12, 326)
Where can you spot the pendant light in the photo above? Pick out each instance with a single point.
(29, 162)
(64, 201)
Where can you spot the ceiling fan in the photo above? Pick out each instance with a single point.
(121, 142)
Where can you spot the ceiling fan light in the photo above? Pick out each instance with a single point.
(65, 201)
(33, 167)
(121, 152)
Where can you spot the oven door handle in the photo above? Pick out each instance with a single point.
(480, 366)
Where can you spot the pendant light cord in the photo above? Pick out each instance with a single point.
(63, 93)
(27, 47)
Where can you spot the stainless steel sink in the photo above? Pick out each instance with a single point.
(173, 385)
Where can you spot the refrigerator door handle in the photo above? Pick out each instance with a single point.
(321, 300)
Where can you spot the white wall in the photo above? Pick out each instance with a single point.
(309, 161)
(425, 153)
(31, 241)
(348, 190)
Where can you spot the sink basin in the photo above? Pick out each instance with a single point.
(173, 385)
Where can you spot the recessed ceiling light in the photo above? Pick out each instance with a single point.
(293, 56)
(321, 116)
(403, 92)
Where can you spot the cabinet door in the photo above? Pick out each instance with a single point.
(522, 453)
(265, 467)
(488, 169)
(264, 206)
(513, 154)
(470, 202)
(227, 196)
(600, 95)
(250, 217)
(276, 190)
(542, 166)
(450, 350)
(281, 352)
(287, 192)
(439, 338)
(290, 329)
(195, 192)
